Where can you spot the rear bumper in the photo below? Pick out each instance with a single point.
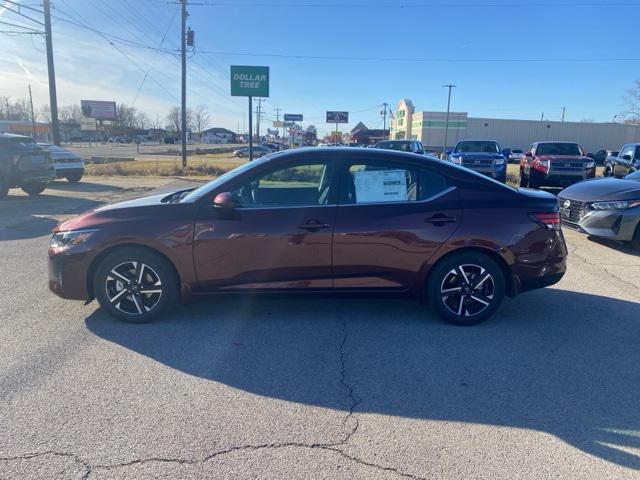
(64, 171)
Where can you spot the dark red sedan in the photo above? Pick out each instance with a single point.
(323, 221)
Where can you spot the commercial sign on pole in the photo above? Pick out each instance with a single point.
(278, 124)
(292, 117)
(88, 124)
(248, 81)
(98, 109)
(337, 117)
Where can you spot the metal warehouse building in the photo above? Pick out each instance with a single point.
(429, 128)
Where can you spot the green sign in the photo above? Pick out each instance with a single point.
(247, 81)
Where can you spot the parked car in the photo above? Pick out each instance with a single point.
(413, 146)
(624, 162)
(338, 220)
(23, 164)
(67, 164)
(555, 164)
(482, 156)
(515, 156)
(600, 157)
(258, 151)
(604, 207)
(271, 146)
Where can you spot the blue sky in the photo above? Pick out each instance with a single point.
(465, 33)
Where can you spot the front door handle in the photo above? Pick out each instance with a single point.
(440, 219)
(313, 226)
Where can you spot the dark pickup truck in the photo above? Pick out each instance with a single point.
(23, 164)
(625, 162)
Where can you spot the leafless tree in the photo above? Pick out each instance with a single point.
(174, 118)
(632, 99)
(18, 110)
(44, 113)
(201, 118)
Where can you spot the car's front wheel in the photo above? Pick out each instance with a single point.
(34, 188)
(607, 172)
(135, 285)
(466, 288)
(524, 181)
(74, 177)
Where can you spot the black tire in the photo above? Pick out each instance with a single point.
(635, 243)
(73, 178)
(118, 297)
(472, 305)
(4, 188)
(607, 172)
(524, 181)
(34, 188)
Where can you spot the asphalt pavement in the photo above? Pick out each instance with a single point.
(324, 389)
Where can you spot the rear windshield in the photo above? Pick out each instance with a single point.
(571, 149)
(400, 146)
(477, 147)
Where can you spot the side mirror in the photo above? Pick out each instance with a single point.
(528, 154)
(626, 157)
(225, 201)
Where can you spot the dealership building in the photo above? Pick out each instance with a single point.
(429, 128)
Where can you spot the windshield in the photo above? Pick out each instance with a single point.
(567, 149)
(400, 146)
(477, 147)
(213, 184)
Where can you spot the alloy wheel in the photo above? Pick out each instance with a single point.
(133, 288)
(467, 290)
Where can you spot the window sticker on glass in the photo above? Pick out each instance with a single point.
(380, 186)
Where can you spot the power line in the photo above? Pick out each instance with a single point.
(17, 12)
(23, 6)
(16, 25)
(432, 60)
(416, 5)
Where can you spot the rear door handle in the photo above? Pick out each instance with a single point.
(439, 219)
(313, 226)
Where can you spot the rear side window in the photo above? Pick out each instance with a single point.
(389, 182)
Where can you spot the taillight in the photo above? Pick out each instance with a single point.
(542, 165)
(550, 220)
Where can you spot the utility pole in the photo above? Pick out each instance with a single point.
(183, 109)
(542, 117)
(53, 97)
(33, 118)
(384, 120)
(446, 125)
(259, 116)
(278, 109)
(563, 110)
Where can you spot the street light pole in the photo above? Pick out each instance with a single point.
(53, 97)
(183, 109)
(446, 125)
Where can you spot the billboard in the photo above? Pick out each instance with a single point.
(278, 124)
(337, 117)
(292, 117)
(248, 81)
(99, 110)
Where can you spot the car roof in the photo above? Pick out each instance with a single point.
(556, 141)
(14, 136)
(477, 140)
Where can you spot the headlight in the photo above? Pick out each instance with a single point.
(619, 205)
(70, 238)
(457, 159)
(500, 161)
(591, 164)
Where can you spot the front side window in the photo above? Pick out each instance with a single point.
(300, 185)
(387, 182)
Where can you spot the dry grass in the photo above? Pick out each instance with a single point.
(210, 166)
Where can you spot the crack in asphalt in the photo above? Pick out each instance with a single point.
(333, 447)
(573, 250)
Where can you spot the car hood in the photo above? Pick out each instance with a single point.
(601, 189)
(128, 210)
(561, 158)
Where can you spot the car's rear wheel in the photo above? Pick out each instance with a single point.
(635, 243)
(466, 288)
(135, 285)
(34, 188)
(524, 181)
(73, 177)
(4, 188)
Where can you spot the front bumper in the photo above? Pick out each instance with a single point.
(612, 224)
(499, 174)
(560, 179)
(68, 273)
